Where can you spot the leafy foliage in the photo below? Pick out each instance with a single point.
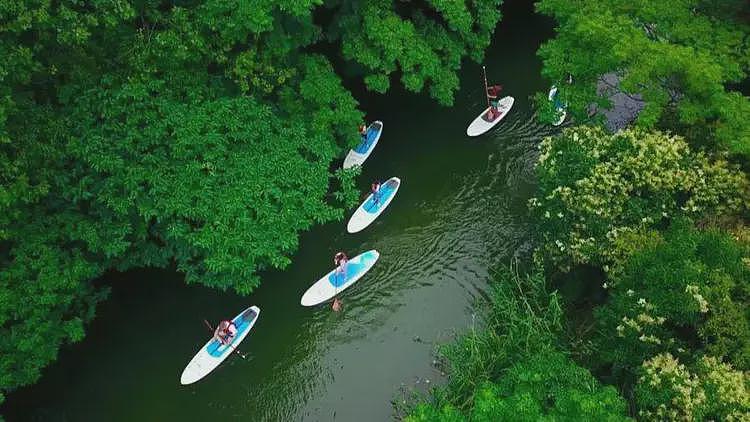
(680, 56)
(520, 318)
(195, 133)
(712, 390)
(223, 201)
(685, 295)
(548, 386)
(595, 187)
(425, 45)
(511, 369)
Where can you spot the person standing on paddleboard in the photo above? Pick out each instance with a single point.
(493, 94)
(375, 188)
(340, 260)
(363, 132)
(225, 332)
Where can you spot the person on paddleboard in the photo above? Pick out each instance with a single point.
(225, 332)
(493, 94)
(340, 260)
(375, 188)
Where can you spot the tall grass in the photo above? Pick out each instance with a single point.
(519, 318)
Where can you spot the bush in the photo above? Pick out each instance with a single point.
(595, 187)
(512, 369)
(685, 295)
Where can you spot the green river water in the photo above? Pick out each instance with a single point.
(460, 211)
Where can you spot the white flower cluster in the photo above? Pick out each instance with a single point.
(694, 291)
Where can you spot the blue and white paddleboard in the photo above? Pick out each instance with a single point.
(358, 155)
(482, 123)
(369, 210)
(332, 283)
(559, 107)
(213, 353)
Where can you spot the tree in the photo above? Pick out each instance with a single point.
(686, 295)
(595, 187)
(680, 56)
(199, 133)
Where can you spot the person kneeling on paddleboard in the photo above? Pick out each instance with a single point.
(225, 332)
(493, 93)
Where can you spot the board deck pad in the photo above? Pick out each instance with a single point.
(384, 193)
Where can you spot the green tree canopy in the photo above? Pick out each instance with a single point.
(685, 294)
(680, 56)
(200, 133)
(426, 51)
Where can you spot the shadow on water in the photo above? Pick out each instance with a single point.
(461, 210)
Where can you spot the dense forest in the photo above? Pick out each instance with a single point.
(198, 134)
(203, 135)
(645, 231)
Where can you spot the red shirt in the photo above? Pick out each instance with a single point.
(494, 90)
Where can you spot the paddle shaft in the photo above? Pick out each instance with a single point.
(210, 328)
(486, 94)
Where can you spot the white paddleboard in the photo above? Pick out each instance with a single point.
(369, 210)
(559, 107)
(213, 352)
(358, 155)
(332, 283)
(481, 125)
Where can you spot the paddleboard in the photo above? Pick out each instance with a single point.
(358, 155)
(332, 283)
(559, 107)
(370, 210)
(481, 125)
(213, 352)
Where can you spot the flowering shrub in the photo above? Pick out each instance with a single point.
(596, 187)
(712, 390)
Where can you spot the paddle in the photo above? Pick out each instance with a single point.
(484, 72)
(210, 328)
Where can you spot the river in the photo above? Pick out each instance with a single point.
(461, 210)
